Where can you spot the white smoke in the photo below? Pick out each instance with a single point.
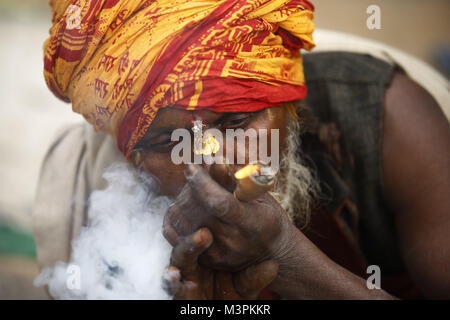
(122, 253)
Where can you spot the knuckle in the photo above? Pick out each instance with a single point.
(199, 178)
(173, 209)
(222, 205)
(164, 233)
(166, 230)
(169, 217)
(233, 246)
(169, 234)
(166, 219)
(215, 259)
(174, 218)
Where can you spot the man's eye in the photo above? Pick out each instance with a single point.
(160, 143)
(238, 121)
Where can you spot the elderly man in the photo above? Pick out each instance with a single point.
(368, 187)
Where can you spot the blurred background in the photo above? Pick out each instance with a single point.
(30, 115)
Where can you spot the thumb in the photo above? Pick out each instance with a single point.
(251, 281)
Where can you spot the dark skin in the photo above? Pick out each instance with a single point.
(241, 235)
(419, 185)
(191, 281)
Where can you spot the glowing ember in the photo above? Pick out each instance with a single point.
(246, 171)
(253, 181)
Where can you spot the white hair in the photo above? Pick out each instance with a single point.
(297, 187)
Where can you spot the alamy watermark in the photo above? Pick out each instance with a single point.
(208, 146)
(374, 280)
(73, 20)
(373, 22)
(73, 281)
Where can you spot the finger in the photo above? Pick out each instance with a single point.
(188, 291)
(177, 288)
(251, 281)
(184, 198)
(190, 208)
(169, 232)
(172, 280)
(222, 175)
(185, 254)
(210, 194)
(224, 288)
(179, 222)
(193, 213)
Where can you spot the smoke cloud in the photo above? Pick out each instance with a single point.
(122, 253)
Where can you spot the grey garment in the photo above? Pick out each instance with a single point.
(346, 94)
(71, 170)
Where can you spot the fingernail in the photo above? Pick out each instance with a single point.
(190, 169)
(198, 237)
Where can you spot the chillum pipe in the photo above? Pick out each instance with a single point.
(253, 180)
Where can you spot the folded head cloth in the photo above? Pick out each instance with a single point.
(118, 62)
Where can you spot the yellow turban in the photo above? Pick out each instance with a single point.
(118, 62)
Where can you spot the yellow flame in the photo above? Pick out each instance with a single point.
(246, 171)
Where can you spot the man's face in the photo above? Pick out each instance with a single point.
(157, 144)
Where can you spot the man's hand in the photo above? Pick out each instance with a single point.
(186, 280)
(244, 233)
